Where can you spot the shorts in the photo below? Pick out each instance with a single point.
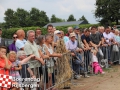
(50, 69)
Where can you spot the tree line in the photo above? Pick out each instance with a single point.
(34, 17)
(107, 11)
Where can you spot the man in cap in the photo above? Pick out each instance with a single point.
(73, 47)
(57, 35)
(78, 37)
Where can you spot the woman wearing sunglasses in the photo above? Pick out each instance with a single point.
(12, 46)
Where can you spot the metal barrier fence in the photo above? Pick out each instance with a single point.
(46, 79)
(61, 75)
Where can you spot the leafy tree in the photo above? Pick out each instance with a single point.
(53, 19)
(38, 18)
(83, 18)
(22, 17)
(107, 11)
(56, 19)
(71, 18)
(10, 19)
(35, 17)
(2, 25)
(43, 18)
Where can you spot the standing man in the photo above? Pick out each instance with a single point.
(78, 37)
(2, 40)
(20, 42)
(86, 39)
(109, 41)
(73, 47)
(50, 29)
(31, 48)
(38, 32)
(95, 37)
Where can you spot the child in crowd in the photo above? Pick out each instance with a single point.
(5, 64)
(26, 72)
(95, 64)
(16, 66)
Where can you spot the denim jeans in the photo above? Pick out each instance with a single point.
(76, 64)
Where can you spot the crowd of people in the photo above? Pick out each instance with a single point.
(26, 57)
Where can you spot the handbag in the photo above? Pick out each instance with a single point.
(5, 80)
(115, 48)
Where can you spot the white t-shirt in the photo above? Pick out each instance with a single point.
(94, 58)
(112, 35)
(107, 37)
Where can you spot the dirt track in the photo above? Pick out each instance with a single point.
(109, 81)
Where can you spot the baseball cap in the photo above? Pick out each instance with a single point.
(76, 27)
(72, 34)
(56, 32)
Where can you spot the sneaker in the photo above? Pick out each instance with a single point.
(103, 73)
(77, 77)
(86, 76)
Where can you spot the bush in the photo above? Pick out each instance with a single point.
(8, 33)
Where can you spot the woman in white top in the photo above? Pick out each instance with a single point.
(50, 62)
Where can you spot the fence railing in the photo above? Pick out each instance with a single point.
(61, 75)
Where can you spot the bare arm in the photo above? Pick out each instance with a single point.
(40, 59)
(99, 43)
(7, 66)
(55, 55)
(86, 44)
(102, 40)
(42, 55)
(22, 48)
(94, 45)
(26, 59)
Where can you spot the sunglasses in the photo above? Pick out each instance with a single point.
(15, 37)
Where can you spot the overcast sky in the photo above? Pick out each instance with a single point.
(61, 8)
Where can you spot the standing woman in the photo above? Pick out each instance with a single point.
(45, 55)
(12, 46)
(50, 62)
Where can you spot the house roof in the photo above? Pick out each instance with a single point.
(67, 23)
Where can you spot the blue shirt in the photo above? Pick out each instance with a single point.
(66, 39)
(117, 38)
(20, 44)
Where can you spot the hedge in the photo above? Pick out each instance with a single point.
(7, 33)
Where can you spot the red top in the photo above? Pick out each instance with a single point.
(2, 65)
